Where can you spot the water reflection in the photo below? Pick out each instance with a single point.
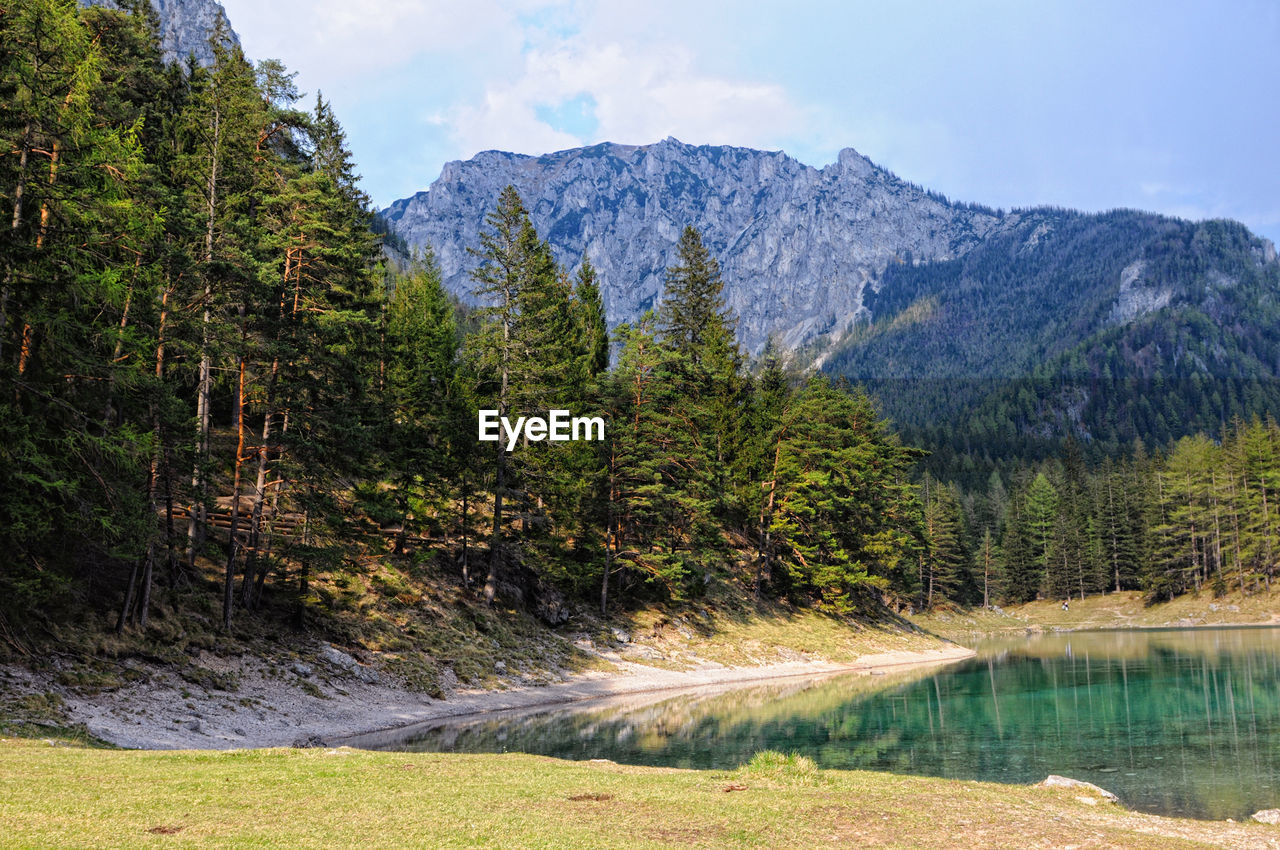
(1178, 721)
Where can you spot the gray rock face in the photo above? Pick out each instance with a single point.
(185, 26)
(797, 245)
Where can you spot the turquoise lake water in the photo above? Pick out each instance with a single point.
(1180, 722)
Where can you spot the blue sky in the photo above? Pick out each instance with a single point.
(1166, 106)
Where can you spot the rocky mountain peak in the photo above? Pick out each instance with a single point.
(797, 245)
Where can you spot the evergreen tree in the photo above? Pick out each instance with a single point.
(422, 345)
(844, 520)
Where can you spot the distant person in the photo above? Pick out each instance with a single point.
(1066, 605)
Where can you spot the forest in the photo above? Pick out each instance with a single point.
(213, 377)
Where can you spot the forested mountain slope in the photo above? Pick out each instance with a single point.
(1011, 330)
(1105, 328)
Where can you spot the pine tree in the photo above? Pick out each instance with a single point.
(698, 329)
(422, 345)
(592, 326)
(528, 342)
(1041, 518)
(75, 274)
(844, 519)
(660, 524)
(945, 556)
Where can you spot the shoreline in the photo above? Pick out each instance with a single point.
(597, 690)
(313, 705)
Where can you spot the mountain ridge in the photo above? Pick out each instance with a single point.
(801, 248)
(798, 245)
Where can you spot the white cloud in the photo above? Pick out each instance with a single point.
(341, 43)
(642, 93)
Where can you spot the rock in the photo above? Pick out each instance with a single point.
(303, 670)
(239, 731)
(448, 680)
(1054, 781)
(338, 658)
(551, 608)
(1271, 816)
(620, 636)
(500, 666)
(309, 741)
(798, 246)
(347, 664)
(185, 27)
(194, 726)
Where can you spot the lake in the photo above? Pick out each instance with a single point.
(1179, 721)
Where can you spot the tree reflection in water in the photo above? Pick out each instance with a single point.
(1175, 721)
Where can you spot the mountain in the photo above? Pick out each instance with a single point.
(798, 245)
(1103, 328)
(988, 332)
(184, 26)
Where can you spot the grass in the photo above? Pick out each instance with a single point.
(730, 628)
(67, 796)
(1126, 609)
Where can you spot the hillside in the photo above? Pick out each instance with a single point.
(1106, 329)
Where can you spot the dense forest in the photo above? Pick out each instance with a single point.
(207, 367)
(210, 376)
(1202, 516)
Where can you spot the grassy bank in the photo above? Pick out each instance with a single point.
(68, 796)
(1126, 609)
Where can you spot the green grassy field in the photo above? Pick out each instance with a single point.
(66, 796)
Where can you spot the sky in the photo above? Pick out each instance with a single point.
(1091, 104)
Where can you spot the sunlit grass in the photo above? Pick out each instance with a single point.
(1126, 609)
(65, 796)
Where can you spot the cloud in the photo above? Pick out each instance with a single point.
(338, 44)
(637, 93)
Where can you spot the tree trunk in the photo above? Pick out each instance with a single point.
(18, 190)
(260, 487)
(495, 539)
(466, 566)
(764, 552)
(986, 571)
(228, 587)
(196, 528)
(495, 542)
